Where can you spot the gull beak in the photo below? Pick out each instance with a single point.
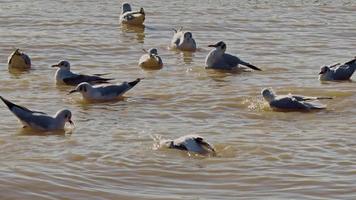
(321, 72)
(56, 65)
(212, 45)
(72, 91)
(71, 122)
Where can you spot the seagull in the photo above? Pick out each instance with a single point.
(19, 60)
(291, 102)
(218, 59)
(39, 120)
(150, 59)
(334, 73)
(183, 40)
(104, 92)
(192, 143)
(131, 17)
(65, 76)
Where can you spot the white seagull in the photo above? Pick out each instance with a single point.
(183, 40)
(292, 102)
(218, 59)
(19, 60)
(39, 120)
(65, 76)
(334, 73)
(131, 17)
(150, 59)
(192, 143)
(103, 92)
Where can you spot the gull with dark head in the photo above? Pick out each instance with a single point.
(39, 120)
(104, 92)
(131, 17)
(338, 72)
(183, 40)
(65, 76)
(218, 59)
(19, 60)
(292, 102)
(150, 60)
(190, 143)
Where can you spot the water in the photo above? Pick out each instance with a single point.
(111, 153)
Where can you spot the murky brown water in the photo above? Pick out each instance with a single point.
(111, 154)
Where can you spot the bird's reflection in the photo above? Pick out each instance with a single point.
(138, 29)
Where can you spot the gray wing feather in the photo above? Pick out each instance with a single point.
(116, 90)
(344, 72)
(79, 78)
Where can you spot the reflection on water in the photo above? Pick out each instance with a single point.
(138, 30)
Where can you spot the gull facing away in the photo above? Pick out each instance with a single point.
(39, 120)
(65, 76)
(218, 59)
(183, 40)
(104, 92)
(338, 73)
(150, 59)
(292, 102)
(19, 60)
(131, 17)
(191, 143)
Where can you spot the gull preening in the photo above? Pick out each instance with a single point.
(292, 102)
(338, 72)
(104, 92)
(218, 59)
(65, 76)
(131, 17)
(19, 60)
(183, 40)
(39, 120)
(150, 59)
(191, 143)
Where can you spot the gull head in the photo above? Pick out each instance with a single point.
(268, 94)
(126, 7)
(63, 65)
(324, 70)
(220, 45)
(65, 116)
(83, 88)
(153, 52)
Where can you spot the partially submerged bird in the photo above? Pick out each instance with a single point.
(183, 40)
(191, 143)
(291, 102)
(65, 76)
(150, 60)
(39, 120)
(104, 92)
(19, 60)
(338, 72)
(131, 17)
(218, 59)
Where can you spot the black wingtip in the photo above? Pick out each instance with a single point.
(133, 83)
(7, 102)
(350, 62)
(254, 67)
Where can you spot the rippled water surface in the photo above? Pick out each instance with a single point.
(111, 153)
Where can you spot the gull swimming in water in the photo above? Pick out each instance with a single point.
(218, 59)
(39, 120)
(291, 102)
(104, 92)
(65, 76)
(338, 73)
(131, 17)
(19, 60)
(183, 40)
(191, 143)
(150, 59)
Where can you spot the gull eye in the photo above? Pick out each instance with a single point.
(65, 116)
